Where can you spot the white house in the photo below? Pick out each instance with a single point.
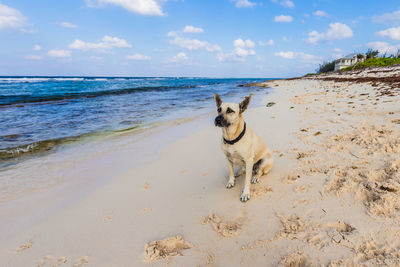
(347, 61)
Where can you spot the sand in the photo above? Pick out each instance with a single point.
(332, 198)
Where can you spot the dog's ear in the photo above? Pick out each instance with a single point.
(244, 104)
(218, 100)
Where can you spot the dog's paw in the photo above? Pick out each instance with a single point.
(245, 196)
(254, 180)
(230, 184)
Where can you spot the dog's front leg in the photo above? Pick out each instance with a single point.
(231, 182)
(246, 190)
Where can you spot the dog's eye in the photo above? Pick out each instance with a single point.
(229, 110)
(219, 110)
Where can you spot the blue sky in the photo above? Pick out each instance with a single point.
(213, 38)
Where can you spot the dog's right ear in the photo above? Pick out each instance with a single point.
(218, 100)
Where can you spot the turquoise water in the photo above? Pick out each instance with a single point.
(39, 113)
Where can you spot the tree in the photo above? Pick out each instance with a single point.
(326, 67)
(372, 53)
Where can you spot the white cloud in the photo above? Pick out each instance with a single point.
(138, 57)
(283, 18)
(320, 13)
(179, 57)
(172, 34)
(192, 44)
(392, 33)
(336, 31)
(269, 43)
(107, 42)
(67, 25)
(338, 50)
(243, 48)
(37, 48)
(143, 7)
(244, 3)
(285, 3)
(59, 53)
(384, 47)
(191, 29)
(11, 18)
(390, 18)
(300, 56)
(34, 57)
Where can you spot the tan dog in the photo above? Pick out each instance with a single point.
(241, 145)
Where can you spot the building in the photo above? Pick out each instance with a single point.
(348, 61)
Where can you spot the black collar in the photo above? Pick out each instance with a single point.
(237, 139)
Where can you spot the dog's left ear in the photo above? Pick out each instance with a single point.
(218, 100)
(244, 104)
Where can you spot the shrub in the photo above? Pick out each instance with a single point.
(326, 67)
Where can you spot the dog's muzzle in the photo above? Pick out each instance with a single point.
(220, 121)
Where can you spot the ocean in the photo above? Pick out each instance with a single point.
(38, 114)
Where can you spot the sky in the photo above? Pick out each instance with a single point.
(201, 38)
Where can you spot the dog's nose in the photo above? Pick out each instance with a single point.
(218, 120)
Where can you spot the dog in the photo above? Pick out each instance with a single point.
(241, 146)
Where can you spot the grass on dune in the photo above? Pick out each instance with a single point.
(374, 62)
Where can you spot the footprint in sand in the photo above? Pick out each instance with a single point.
(146, 186)
(146, 210)
(260, 191)
(300, 202)
(108, 218)
(52, 261)
(169, 247)
(81, 261)
(24, 246)
(301, 188)
(225, 229)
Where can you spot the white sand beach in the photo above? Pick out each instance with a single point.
(331, 199)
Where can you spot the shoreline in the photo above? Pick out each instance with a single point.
(85, 154)
(29, 149)
(331, 198)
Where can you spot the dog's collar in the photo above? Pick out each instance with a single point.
(237, 139)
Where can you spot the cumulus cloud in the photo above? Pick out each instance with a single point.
(106, 43)
(283, 18)
(192, 44)
(138, 57)
(384, 47)
(143, 7)
(336, 31)
(299, 55)
(388, 18)
(285, 3)
(34, 57)
(59, 53)
(37, 48)
(67, 25)
(191, 29)
(269, 43)
(243, 48)
(392, 33)
(320, 13)
(179, 57)
(244, 3)
(11, 18)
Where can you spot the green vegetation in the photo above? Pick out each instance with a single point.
(326, 67)
(371, 53)
(371, 60)
(374, 62)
